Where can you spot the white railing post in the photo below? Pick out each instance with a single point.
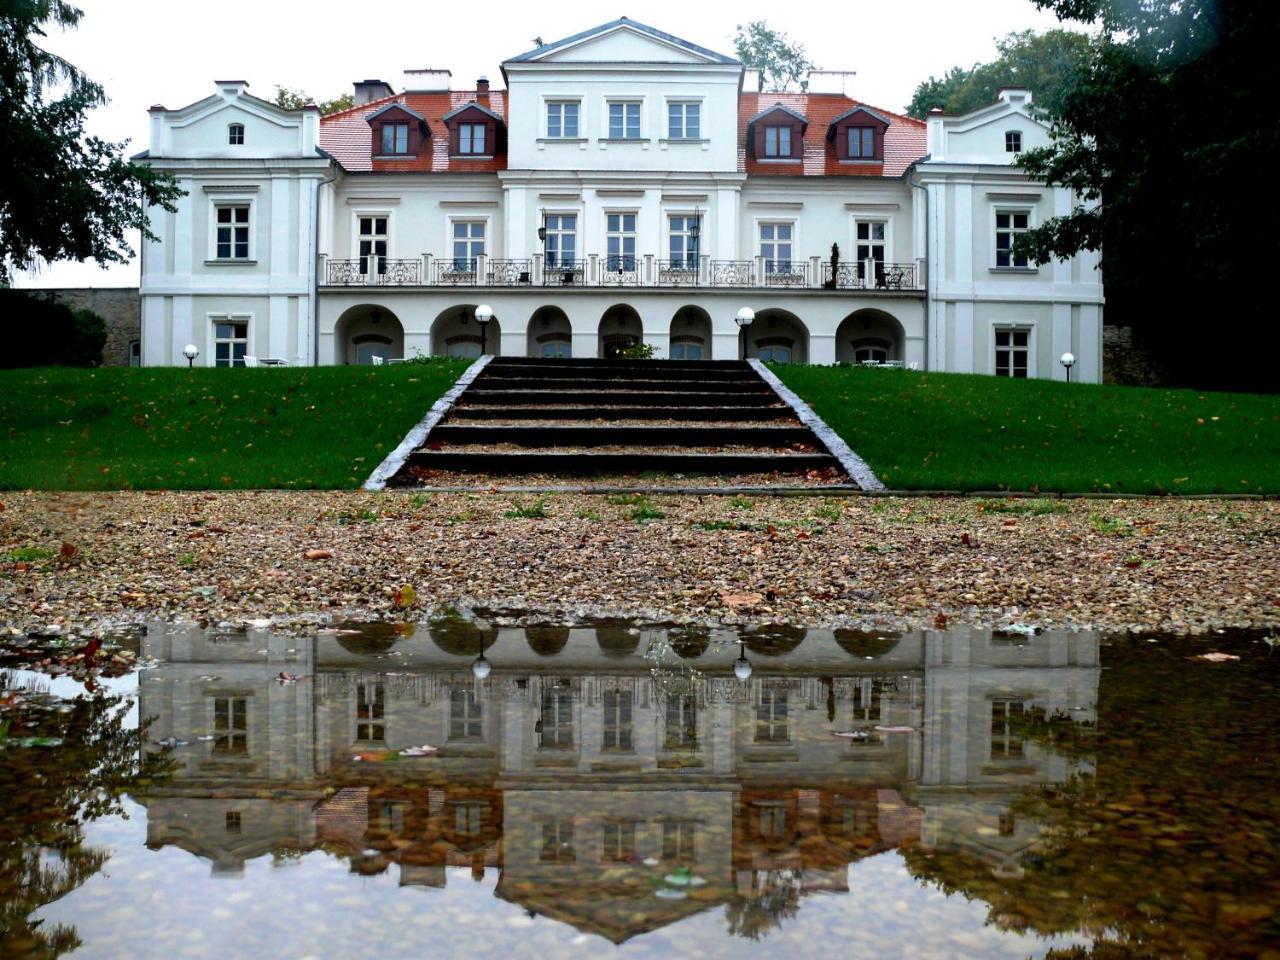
(649, 278)
(592, 278)
(814, 273)
(536, 276)
(758, 271)
(870, 280)
(921, 264)
(482, 269)
(426, 268)
(704, 269)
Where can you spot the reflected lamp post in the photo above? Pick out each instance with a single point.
(484, 313)
(1068, 361)
(743, 320)
(481, 667)
(742, 666)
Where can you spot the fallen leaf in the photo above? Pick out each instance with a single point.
(318, 554)
(740, 599)
(1217, 657)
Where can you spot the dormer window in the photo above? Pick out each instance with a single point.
(235, 134)
(1013, 141)
(395, 138)
(862, 143)
(471, 139)
(777, 141)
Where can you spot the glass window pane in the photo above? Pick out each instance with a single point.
(1020, 221)
(1002, 221)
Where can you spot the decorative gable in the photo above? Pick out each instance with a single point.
(767, 145)
(465, 143)
(623, 41)
(858, 134)
(417, 132)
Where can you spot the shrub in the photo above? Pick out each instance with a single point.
(43, 332)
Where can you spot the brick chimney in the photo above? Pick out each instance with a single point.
(367, 91)
(482, 90)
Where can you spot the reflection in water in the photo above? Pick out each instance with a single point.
(624, 782)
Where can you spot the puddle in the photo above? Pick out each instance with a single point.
(493, 790)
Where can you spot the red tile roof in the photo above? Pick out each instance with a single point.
(347, 136)
(904, 141)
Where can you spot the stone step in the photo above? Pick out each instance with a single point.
(613, 464)
(629, 398)
(630, 383)
(591, 363)
(642, 436)
(598, 411)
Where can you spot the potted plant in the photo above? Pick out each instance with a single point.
(830, 282)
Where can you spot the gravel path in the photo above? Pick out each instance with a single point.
(1138, 564)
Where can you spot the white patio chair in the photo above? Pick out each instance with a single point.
(250, 361)
(377, 360)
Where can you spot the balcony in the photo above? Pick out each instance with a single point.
(647, 271)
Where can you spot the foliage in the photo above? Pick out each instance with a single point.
(637, 351)
(781, 62)
(208, 428)
(44, 332)
(63, 194)
(291, 99)
(1044, 63)
(1161, 135)
(969, 432)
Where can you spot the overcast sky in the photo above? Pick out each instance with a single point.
(171, 51)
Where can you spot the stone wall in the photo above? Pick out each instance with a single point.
(121, 307)
(1127, 362)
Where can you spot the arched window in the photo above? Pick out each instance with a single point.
(871, 350)
(370, 345)
(775, 353)
(687, 348)
(463, 347)
(235, 134)
(555, 345)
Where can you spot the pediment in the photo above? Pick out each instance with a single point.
(623, 41)
(996, 113)
(243, 106)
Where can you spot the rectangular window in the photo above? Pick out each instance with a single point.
(395, 138)
(777, 141)
(1009, 225)
(135, 353)
(557, 842)
(773, 723)
(232, 821)
(467, 818)
(465, 715)
(775, 246)
(231, 725)
(562, 119)
(620, 241)
(562, 239)
(1012, 352)
(233, 232)
(556, 721)
(468, 243)
(1006, 735)
(1013, 141)
(617, 720)
(862, 143)
(230, 342)
(683, 245)
(371, 706)
(771, 821)
(624, 120)
(679, 841)
(682, 710)
(618, 842)
(684, 121)
(471, 138)
(870, 235)
(235, 134)
(373, 243)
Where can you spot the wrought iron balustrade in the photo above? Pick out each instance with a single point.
(896, 276)
(619, 271)
(373, 270)
(510, 273)
(400, 273)
(678, 273)
(785, 273)
(849, 276)
(732, 273)
(564, 273)
(344, 273)
(884, 276)
(455, 271)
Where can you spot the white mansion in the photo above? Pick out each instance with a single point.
(627, 185)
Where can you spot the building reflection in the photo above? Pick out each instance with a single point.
(617, 778)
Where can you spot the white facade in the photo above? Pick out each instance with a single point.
(566, 202)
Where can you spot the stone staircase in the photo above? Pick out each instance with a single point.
(617, 419)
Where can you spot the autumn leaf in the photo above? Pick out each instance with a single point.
(405, 597)
(317, 554)
(740, 599)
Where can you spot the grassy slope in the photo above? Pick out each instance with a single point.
(150, 428)
(957, 432)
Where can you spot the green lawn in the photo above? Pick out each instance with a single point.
(957, 432)
(152, 428)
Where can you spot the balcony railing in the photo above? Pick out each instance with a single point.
(624, 271)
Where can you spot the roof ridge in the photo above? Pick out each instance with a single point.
(381, 101)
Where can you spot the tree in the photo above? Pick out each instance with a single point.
(47, 333)
(1043, 63)
(63, 194)
(1163, 135)
(781, 62)
(297, 99)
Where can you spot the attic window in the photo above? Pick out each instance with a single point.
(1013, 141)
(471, 139)
(395, 138)
(235, 134)
(862, 143)
(777, 141)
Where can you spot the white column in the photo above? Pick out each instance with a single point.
(725, 238)
(964, 360)
(155, 349)
(1088, 351)
(964, 234)
(822, 348)
(184, 332)
(1061, 340)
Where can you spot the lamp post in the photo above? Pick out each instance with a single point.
(190, 351)
(484, 313)
(695, 231)
(1068, 361)
(742, 666)
(743, 320)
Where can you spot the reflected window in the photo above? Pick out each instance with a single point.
(867, 697)
(773, 716)
(231, 725)
(617, 720)
(556, 721)
(465, 715)
(232, 822)
(388, 816)
(467, 818)
(557, 842)
(618, 843)
(1006, 727)
(371, 707)
(682, 722)
(771, 821)
(679, 841)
